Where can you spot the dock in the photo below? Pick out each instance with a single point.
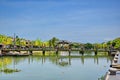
(114, 70)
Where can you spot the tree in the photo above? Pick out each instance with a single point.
(17, 41)
(96, 46)
(9, 41)
(5, 40)
(116, 43)
(104, 45)
(38, 42)
(46, 44)
(50, 43)
(53, 41)
(75, 45)
(23, 42)
(88, 46)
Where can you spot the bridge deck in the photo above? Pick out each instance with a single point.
(53, 49)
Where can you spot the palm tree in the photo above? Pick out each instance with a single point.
(50, 43)
(54, 41)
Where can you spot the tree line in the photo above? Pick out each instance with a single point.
(7, 40)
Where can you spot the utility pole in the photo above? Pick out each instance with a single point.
(14, 41)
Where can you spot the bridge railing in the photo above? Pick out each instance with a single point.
(52, 49)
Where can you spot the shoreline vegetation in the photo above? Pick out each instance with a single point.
(16, 42)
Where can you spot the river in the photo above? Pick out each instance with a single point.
(56, 67)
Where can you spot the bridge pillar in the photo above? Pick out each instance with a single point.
(57, 52)
(30, 52)
(43, 52)
(69, 52)
(96, 52)
(82, 52)
(109, 52)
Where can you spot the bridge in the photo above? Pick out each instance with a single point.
(29, 51)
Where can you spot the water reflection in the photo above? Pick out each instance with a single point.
(61, 60)
(56, 67)
(4, 62)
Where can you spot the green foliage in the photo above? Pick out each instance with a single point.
(22, 42)
(88, 46)
(96, 46)
(38, 42)
(46, 44)
(116, 43)
(109, 43)
(53, 41)
(75, 45)
(50, 43)
(18, 40)
(6, 40)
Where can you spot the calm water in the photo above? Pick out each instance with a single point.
(76, 67)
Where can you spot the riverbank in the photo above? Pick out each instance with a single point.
(114, 70)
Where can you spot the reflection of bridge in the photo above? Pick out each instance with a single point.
(58, 60)
(30, 50)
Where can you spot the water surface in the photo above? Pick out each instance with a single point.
(53, 67)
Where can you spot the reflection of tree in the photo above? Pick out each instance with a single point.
(8, 71)
(69, 60)
(66, 60)
(96, 59)
(4, 62)
(43, 59)
(82, 59)
(63, 62)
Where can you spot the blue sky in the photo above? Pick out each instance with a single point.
(73, 20)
